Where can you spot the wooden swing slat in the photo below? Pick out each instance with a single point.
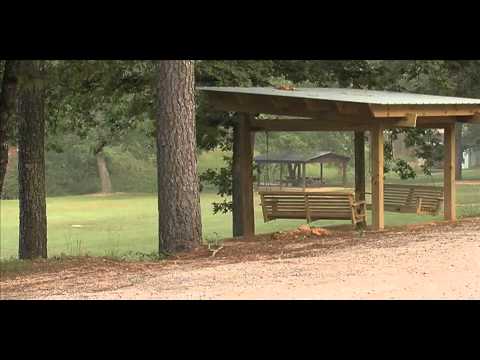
(413, 199)
(312, 206)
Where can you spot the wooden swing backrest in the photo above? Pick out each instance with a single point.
(417, 199)
(311, 206)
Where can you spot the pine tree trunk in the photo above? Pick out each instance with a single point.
(180, 226)
(31, 162)
(8, 95)
(103, 173)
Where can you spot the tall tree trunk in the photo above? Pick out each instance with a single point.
(8, 95)
(103, 173)
(180, 226)
(31, 162)
(459, 151)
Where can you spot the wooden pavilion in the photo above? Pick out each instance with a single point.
(327, 109)
(296, 165)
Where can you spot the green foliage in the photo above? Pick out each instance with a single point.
(222, 180)
(234, 72)
(305, 142)
(428, 146)
(73, 171)
(10, 187)
(96, 104)
(131, 174)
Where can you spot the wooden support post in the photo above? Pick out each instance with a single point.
(321, 173)
(449, 173)
(459, 151)
(259, 175)
(377, 143)
(304, 169)
(243, 207)
(360, 183)
(281, 176)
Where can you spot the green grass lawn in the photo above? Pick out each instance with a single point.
(120, 224)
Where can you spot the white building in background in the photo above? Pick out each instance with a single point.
(471, 158)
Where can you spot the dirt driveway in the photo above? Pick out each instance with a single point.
(436, 261)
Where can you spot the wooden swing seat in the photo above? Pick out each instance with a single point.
(413, 199)
(312, 206)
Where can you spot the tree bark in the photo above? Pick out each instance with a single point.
(31, 162)
(180, 226)
(8, 94)
(459, 151)
(103, 173)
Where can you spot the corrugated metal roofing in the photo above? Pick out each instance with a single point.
(287, 157)
(351, 95)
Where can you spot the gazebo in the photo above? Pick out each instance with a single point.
(296, 165)
(328, 109)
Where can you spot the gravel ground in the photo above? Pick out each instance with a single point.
(434, 261)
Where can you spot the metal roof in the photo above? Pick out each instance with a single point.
(288, 157)
(350, 95)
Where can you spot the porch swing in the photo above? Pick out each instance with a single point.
(413, 199)
(308, 205)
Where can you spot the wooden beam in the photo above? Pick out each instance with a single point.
(381, 111)
(449, 174)
(327, 124)
(333, 122)
(265, 104)
(377, 143)
(243, 207)
(410, 120)
(281, 176)
(475, 119)
(355, 109)
(304, 175)
(458, 151)
(360, 183)
(306, 125)
(237, 221)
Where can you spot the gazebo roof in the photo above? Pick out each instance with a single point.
(289, 157)
(331, 109)
(350, 95)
